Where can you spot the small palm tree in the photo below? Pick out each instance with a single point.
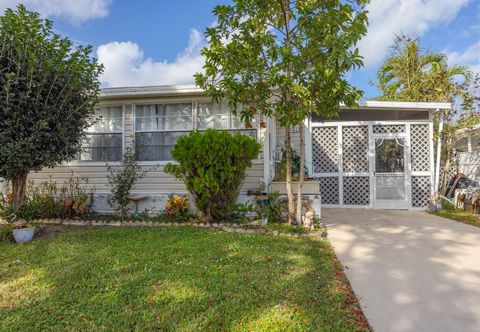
(413, 74)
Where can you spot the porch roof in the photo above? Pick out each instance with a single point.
(404, 106)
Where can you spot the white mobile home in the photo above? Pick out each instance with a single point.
(379, 156)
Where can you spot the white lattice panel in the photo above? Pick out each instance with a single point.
(420, 142)
(355, 149)
(389, 129)
(329, 190)
(420, 191)
(325, 149)
(356, 190)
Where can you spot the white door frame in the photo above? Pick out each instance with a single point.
(393, 204)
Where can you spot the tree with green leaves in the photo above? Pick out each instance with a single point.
(287, 59)
(411, 73)
(48, 93)
(471, 102)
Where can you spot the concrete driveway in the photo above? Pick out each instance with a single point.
(410, 270)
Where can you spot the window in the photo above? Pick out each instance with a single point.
(390, 155)
(158, 127)
(104, 140)
(218, 116)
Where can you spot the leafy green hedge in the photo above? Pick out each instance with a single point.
(213, 165)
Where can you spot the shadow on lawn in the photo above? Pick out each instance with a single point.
(173, 279)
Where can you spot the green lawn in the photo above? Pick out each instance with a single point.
(175, 278)
(461, 216)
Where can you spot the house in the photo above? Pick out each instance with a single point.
(379, 156)
(467, 152)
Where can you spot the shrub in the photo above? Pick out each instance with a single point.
(50, 200)
(448, 206)
(176, 205)
(6, 211)
(121, 180)
(6, 233)
(242, 213)
(274, 208)
(213, 165)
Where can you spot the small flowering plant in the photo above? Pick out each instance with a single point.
(6, 212)
(177, 205)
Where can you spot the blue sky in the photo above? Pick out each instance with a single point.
(148, 42)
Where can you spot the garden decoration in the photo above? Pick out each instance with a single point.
(308, 219)
(22, 235)
(265, 203)
(136, 200)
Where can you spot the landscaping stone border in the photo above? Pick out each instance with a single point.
(226, 227)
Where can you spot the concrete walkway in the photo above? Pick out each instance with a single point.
(411, 271)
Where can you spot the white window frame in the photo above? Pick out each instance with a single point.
(194, 126)
(77, 162)
(135, 131)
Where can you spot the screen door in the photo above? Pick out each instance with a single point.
(390, 177)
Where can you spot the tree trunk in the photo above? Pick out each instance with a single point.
(19, 187)
(288, 140)
(301, 173)
(288, 157)
(446, 170)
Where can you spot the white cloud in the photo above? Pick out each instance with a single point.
(125, 64)
(412, 17)
(77, 11)
(469, 57)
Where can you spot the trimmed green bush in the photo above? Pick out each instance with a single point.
(213, 165)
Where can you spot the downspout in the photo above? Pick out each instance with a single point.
(439, 151)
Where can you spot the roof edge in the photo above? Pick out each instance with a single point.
(190, 89)
(154, 90)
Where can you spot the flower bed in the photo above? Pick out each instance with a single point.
(227, 227)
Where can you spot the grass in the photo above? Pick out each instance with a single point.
(287, 228)
(460, 215)
(174, 278)
(161, 217)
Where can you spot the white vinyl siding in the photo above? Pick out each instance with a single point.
(156, 182)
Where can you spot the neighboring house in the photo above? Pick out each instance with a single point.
(467, 152)
(379, 156)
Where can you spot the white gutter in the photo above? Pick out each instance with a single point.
(371, 104)
(172, 90)
(145, 91)
(439, 151)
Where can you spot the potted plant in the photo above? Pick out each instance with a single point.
(23, 231)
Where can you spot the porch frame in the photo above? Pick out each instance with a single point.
(409, 173)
